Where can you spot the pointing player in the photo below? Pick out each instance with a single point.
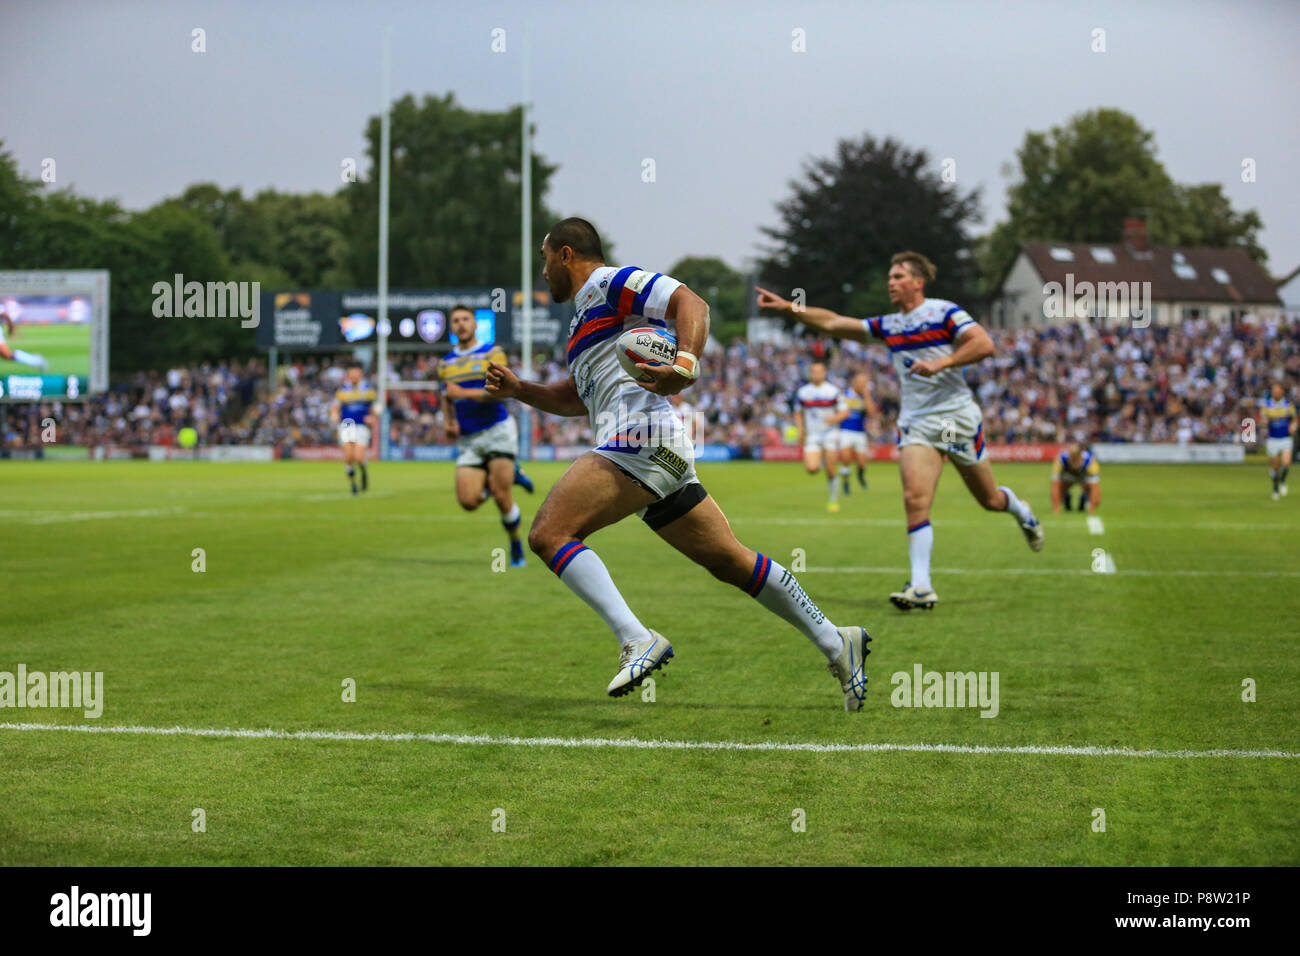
(1076, 466)
(853, 430)
(930, 339)
(353, 412)
(487, 438)
(1281, 415)
(821, 409)
(17, 355)
(652, 474)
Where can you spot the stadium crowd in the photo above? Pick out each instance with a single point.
(1194, 382)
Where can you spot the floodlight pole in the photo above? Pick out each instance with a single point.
(385, 134)
(525, 261)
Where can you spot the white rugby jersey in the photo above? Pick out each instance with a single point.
(609, 301)
(927, 332)
(818, 403)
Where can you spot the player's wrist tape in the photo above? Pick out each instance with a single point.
(694, 372)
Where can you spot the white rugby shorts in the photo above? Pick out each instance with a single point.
(958, 434)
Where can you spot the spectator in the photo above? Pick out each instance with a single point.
(1192, 382)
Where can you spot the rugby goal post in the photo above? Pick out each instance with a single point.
(526, 257)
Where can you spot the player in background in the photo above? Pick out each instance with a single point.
(1280, 412)
(353, 414)
(1076, 466)
(854, 448)
(930, 339)
(17, 355)
(487, 438)
(821, 408)
(646, 468)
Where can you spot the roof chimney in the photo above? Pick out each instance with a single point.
(1135, 234)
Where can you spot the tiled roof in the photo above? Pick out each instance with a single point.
(1176, 273)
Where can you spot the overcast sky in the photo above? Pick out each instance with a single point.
(712, 91)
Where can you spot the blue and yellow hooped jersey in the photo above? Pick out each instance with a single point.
(469, 370)
(1089, 468)
(857, 420)
(1279, 415)
(355, 402)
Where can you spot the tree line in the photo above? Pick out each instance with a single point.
(457, 174)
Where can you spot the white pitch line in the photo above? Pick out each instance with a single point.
(1054, 523)
(1143, 572)
(32, 516)
(344, 496)
(57, 517)
(632, 743)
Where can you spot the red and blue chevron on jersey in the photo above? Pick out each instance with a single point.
(819, 403)
(611, 300)
(928, 332)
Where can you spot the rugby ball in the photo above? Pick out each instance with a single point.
(648, 346)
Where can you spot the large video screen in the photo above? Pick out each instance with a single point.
(53, 335)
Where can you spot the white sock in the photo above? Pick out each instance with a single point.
(844, 471)
(27, 358)
(779, 591)
(578, 566)
(920, 542)
(1015, 507)
(834, 487)
(511, 516)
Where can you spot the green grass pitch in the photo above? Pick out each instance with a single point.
(65, 347)
(305, 587)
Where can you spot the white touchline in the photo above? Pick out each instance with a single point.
(54, 517)
(1149, 572)
(485, 740)
(344, 496)
(34, 516)
(1056, 525)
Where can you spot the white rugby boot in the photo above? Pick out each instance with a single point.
(637, 660)
(850, 667)
(1033, 532)
(911, 597)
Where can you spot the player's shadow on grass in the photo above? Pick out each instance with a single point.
(868, 611)
(491, 703)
